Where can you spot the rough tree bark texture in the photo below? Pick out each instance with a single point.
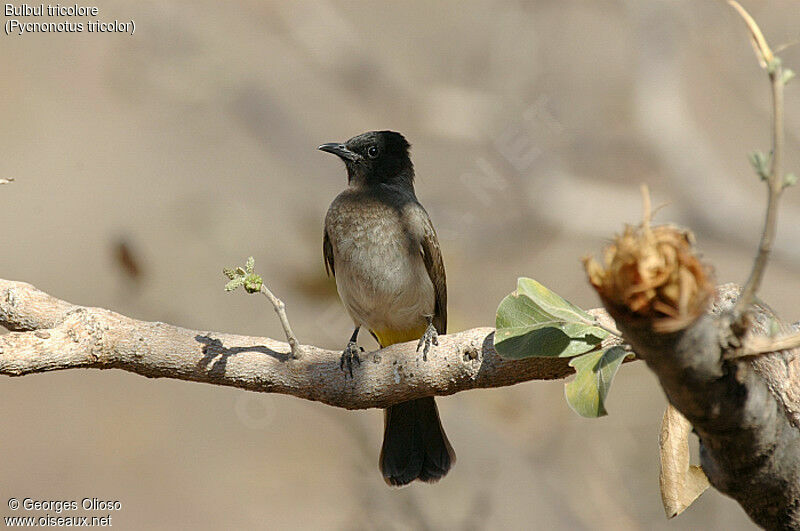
(51, 334)
(745, 412)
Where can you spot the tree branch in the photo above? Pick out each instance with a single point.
(252, 282)
(51, 334)
(280, 309)
(746, 413)
(775, 179)
(754, 344)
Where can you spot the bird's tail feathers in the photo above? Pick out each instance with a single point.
(414, 444)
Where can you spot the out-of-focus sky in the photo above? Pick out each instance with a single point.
(193, 142)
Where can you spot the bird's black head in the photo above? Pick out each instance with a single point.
(374, 158)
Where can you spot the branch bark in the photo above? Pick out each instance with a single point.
(49, 334)
(775, 179)
(746, 413)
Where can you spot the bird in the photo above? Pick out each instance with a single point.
(381, 247)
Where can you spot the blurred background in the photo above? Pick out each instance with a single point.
(144, 164)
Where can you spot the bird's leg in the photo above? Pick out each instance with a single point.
(430, 337)
(350, 353)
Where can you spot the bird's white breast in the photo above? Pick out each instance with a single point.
(380, 273)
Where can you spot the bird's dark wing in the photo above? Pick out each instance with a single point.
(327, 252)
(432, 256)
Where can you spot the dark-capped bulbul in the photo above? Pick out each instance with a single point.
(381, 247)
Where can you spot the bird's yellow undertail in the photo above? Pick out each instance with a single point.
(390, 337)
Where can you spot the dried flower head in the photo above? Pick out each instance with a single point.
(653, 273)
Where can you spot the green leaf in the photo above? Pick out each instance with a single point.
(773, 328)
(790, 179)
(587, 392)
(534, 321)
(234, 283)
(230, 273)
(773, 65)
(787, 75)
(249, 265)
(760, 163)
(253, 283)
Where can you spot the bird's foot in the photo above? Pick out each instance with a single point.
(349, 355)
(430, 337)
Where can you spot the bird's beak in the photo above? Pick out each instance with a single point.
(340, 151)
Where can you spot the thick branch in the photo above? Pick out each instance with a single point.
(746, 413)
(51, 334)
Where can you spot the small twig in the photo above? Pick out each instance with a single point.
(280, 309)
(647, 208)
(775, 181)
(786, 45)
(759, 42)
(608, 328)
(252, 282)
(775, 187)
(756, 345)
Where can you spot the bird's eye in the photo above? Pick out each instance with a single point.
(372, 152)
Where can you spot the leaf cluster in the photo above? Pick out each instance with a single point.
(536, 322)
(244, 277)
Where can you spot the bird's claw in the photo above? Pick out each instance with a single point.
(349, 355)
(430, 337)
